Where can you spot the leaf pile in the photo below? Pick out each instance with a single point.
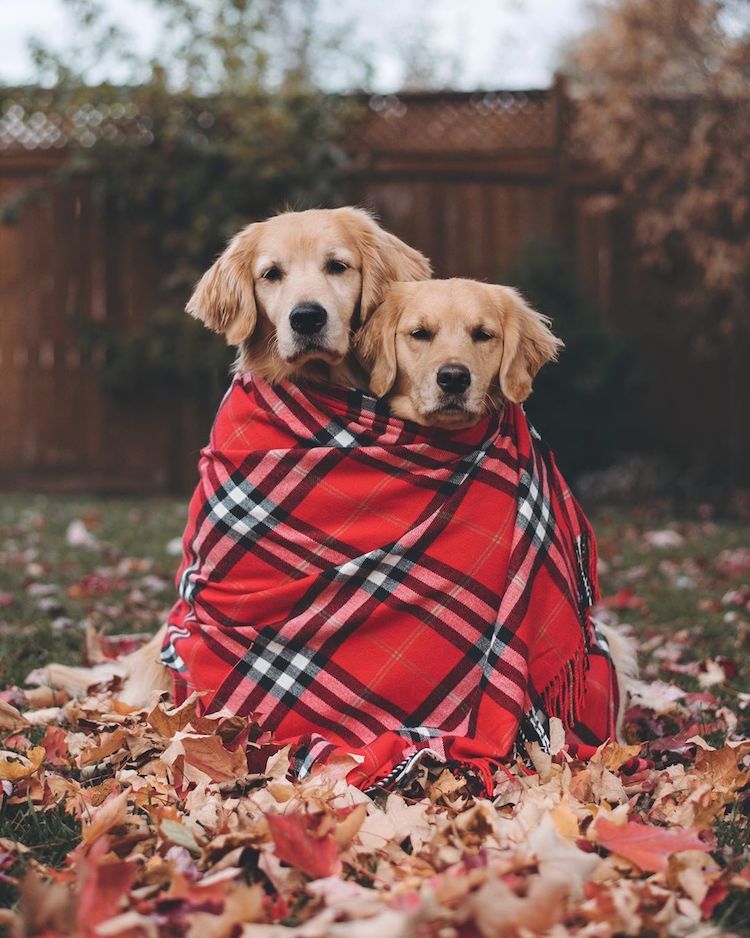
(188, 825)
(163, 823)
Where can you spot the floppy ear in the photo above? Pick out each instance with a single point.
(375, 345)
(224, 297)
(528, 344)
(386, 259)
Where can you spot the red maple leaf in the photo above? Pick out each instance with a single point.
(55, 745)
(295, 845)
(103, 884)
(626, 598)
(647, 846)
(717, 892)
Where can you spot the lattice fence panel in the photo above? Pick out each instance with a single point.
(478, 123)
(482, 122)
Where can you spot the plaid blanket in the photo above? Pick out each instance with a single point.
(364, 585)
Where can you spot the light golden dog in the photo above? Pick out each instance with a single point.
(445, 352)
(289, 291)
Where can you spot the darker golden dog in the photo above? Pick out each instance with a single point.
(289, 291)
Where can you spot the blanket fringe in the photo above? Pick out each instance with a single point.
(563, 696)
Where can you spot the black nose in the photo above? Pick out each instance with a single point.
(454, 378)
(308, 318)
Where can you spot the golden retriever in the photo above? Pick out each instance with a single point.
(288, 292)
(445, 353)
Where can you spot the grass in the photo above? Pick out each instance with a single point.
(685, 605)
(49, 835)
(685, 592)
(49, 590)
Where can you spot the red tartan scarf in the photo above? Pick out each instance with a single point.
(365, 585)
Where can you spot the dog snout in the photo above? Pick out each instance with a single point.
(307, 318)
(454, 378)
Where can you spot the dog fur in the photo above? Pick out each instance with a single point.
(339, 259)
(488, 329)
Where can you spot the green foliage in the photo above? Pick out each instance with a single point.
(172, 352)
(52, 834)
(225, 125)
(197, 173)
(191, 171)
(579, 404)
(206, 46)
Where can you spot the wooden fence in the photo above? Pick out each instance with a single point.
(466, 178)
(470, 178)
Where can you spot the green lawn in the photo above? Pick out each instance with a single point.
(49, 590)
(688, 602)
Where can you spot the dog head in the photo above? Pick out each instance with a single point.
(446, 352)
(289, 290)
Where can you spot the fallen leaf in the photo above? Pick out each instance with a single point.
(205, 758)
(110, 814)
(78, 535)
(647, 846)
(45, 908)
(55, 744)
(499, 913)
(346, 830)
(10, 718)
(315, 856)
(243, 905)
(180, 835)
(102, 885)
(613, 756)
(559, 859)
(14, 766)
(170, 720)
(565, 821)
(110, 742)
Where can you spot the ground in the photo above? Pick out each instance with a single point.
(70, 566)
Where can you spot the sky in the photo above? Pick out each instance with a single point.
(481, 43)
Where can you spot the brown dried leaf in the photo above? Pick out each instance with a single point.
(110, 814)
(205, 759)
(499, 913)
(14, 766)
(108, 744)
(613, 756)
(10, 718)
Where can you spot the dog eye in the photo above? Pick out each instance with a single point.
(481, 336)
(273, 274)
(422, 335)
(336, 267)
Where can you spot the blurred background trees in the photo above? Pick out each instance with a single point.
(231, 126)
(663, 106)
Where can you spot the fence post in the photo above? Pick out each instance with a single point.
(561, 117)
